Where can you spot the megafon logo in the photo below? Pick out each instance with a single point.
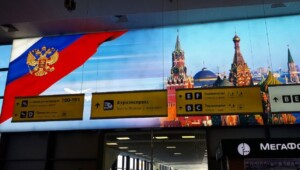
(243, 149)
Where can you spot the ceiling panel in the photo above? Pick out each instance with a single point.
(49, 17)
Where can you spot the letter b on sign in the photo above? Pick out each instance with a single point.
(189, 107)
(286, 99)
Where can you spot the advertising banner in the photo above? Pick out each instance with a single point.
(231, 54)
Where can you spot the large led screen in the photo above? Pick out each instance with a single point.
(235, 53)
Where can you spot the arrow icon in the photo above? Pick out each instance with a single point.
(275, 99)
(180, 107)
(97, 105)
(180, 96)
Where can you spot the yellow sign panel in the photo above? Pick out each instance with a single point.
(219, 101)
(129, 104)
(47, 108)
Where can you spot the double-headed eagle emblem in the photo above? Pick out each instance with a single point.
(42, 61)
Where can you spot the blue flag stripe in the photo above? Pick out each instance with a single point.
(19, 68)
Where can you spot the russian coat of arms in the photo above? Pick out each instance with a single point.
(42, 61)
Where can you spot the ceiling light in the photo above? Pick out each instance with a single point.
(139, 153)
(131, 150)
(171, 147)
(161, 137)
(123, 138)
(188, 137)
(123, 147)
(111, 143)
(177, 153)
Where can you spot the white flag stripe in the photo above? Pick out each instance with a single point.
(21, 45)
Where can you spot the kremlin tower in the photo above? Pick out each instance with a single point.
(293, 74)
(240, 74)
(178, 79)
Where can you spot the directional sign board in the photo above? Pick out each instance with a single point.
(129, 104)
(219, 101)
(47, 108)
(284, 98)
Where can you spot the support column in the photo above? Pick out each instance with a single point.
(137, 164)
(123, 162)
(127, 163)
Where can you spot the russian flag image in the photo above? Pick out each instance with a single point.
(38, 63)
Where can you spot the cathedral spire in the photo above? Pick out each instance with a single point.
(177, 45)
(238, 57)
(290, 58)
(240, 74)
(293, 73)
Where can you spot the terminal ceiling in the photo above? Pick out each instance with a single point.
(31, 18)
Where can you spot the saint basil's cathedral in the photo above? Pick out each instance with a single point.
(239, 75)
